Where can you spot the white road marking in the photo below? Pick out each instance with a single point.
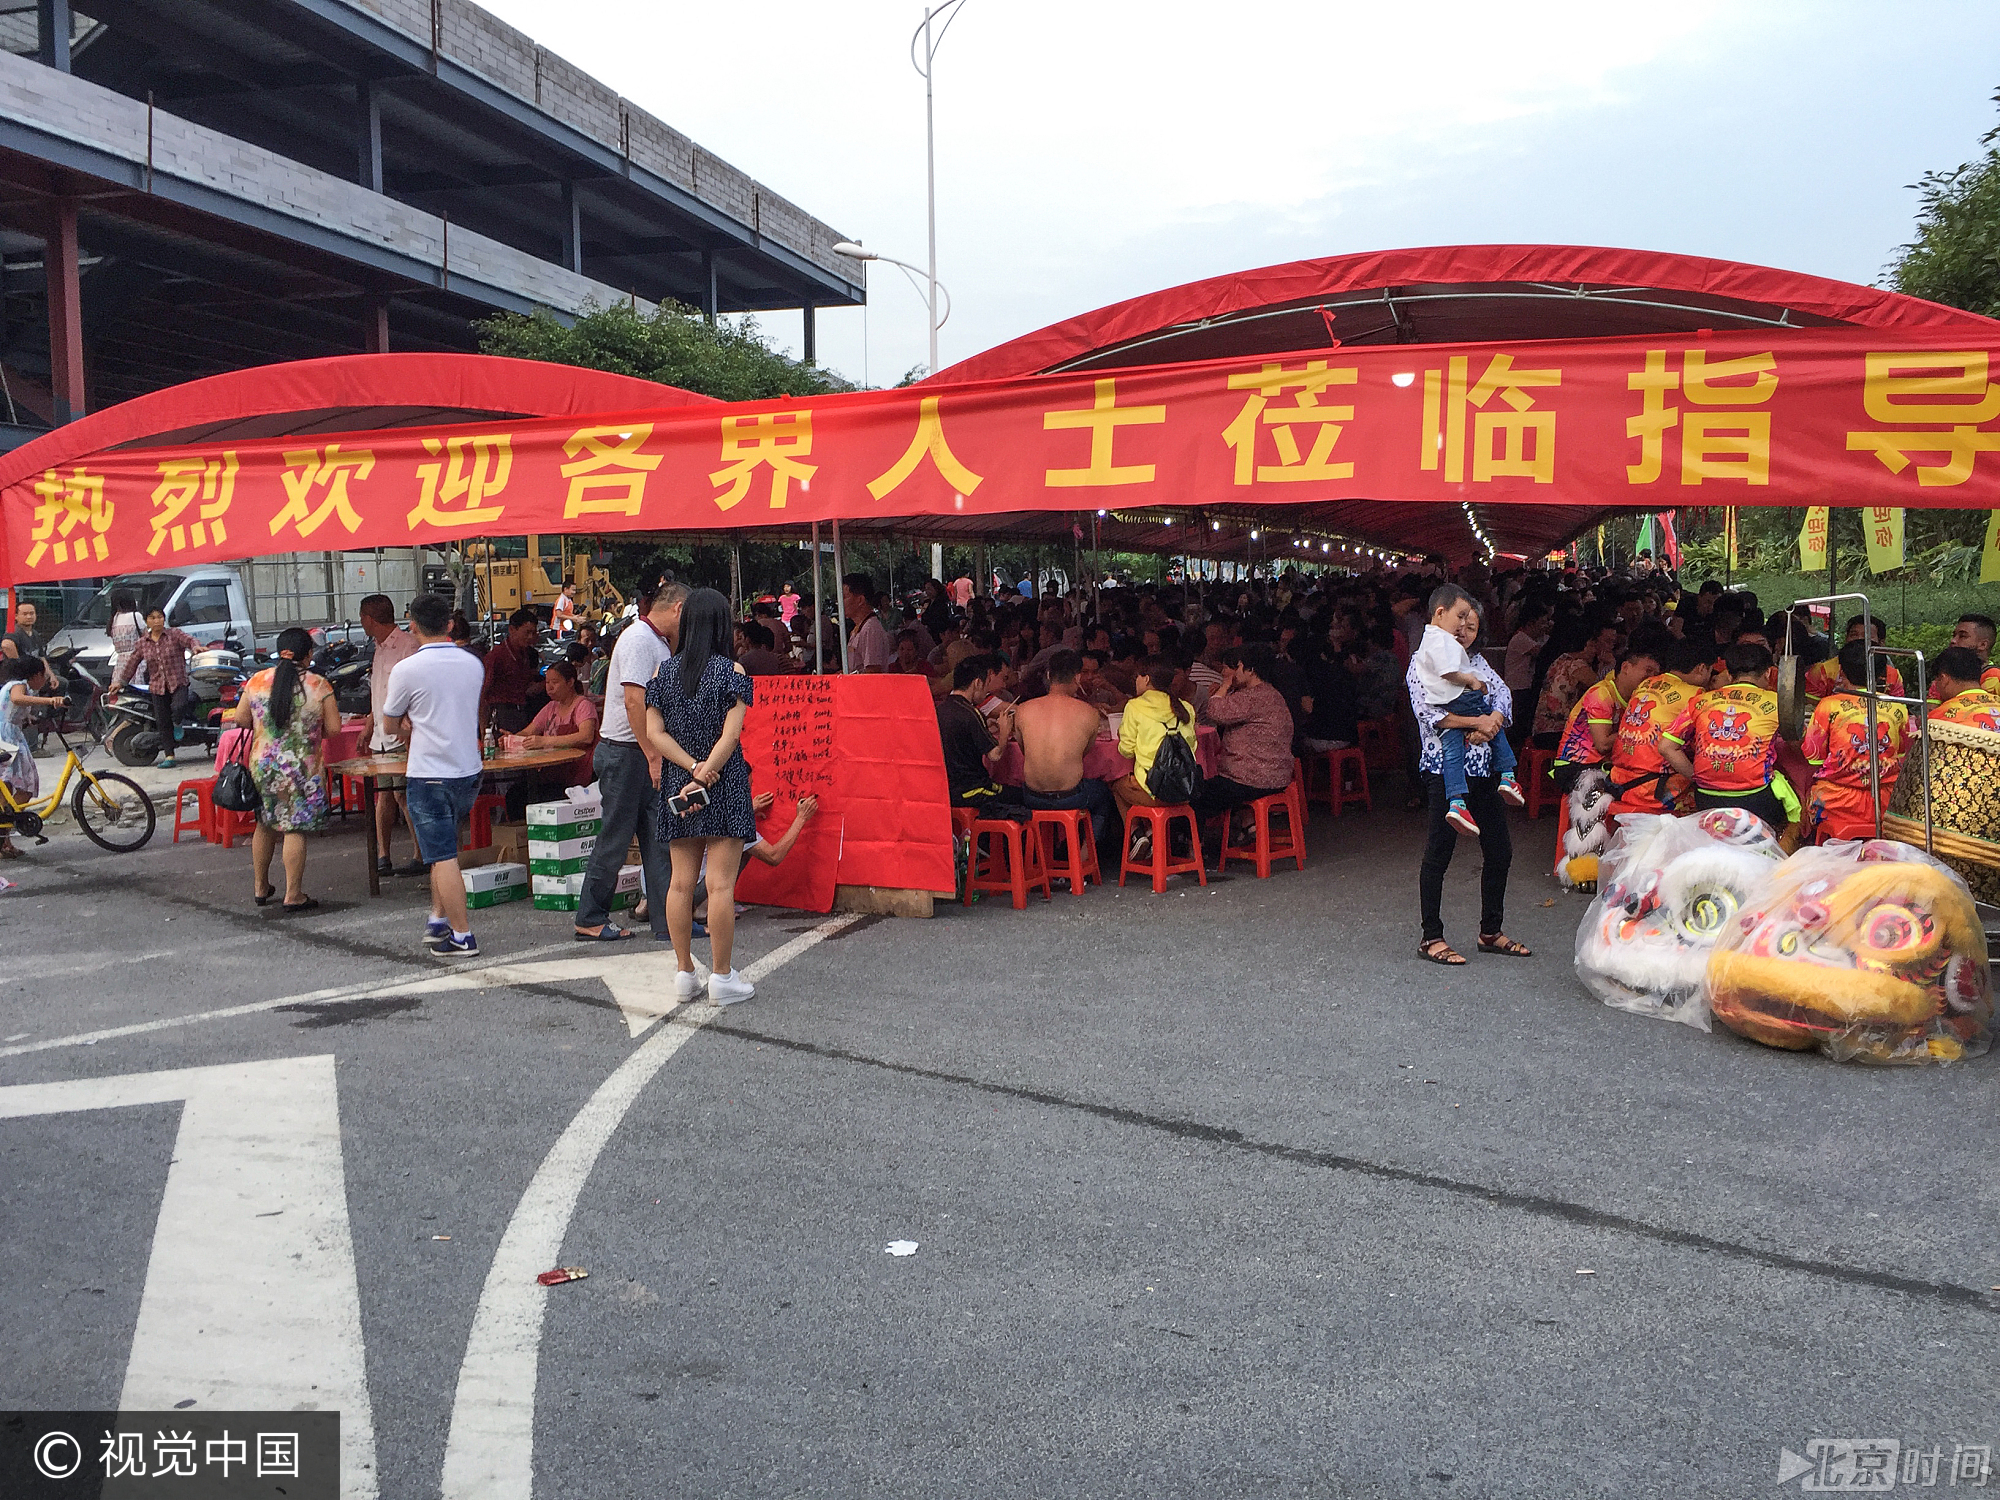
(251, 1300)
(642, 984)
(490, 1454)
(337, 992)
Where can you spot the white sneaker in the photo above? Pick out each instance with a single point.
(727, 989)
(687, 986)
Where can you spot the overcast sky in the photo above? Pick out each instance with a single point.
(1090, 151)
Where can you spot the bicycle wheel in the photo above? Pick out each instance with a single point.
(112, 812)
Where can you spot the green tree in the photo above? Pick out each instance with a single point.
(674, 345)
(1955, 257)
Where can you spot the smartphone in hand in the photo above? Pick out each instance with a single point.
(691, 798)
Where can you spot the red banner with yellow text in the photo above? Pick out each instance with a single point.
(1777, 417)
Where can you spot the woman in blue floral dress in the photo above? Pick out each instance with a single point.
(695, 706)
(289, 712)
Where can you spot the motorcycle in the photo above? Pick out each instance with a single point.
(346, 666)
(215, 684)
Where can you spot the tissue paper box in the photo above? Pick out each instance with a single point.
(565, 856)
(565, 892)
(490, 885)
(564, 820)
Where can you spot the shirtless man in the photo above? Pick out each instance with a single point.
(1055, 730)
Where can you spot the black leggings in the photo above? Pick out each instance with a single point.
(165, 711)
(1496, 844)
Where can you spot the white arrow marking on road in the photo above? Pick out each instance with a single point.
(251, 1301)
(641, 983)
(490, 1454)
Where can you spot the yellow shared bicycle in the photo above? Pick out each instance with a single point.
(111, 809)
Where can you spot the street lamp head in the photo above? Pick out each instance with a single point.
(853, 251)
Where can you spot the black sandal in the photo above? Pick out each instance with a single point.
(1438, 951)
(293, 907)
(265, 899)
(1499, 942)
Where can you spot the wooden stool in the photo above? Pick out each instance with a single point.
(1263, 849)
(1338, 763)
(1541, 780)
(1378, 741)
(1079, 867)
(203, 792)
(1025, 870)
(1162, 864)
(483, 808)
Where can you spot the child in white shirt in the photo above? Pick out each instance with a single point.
(1444, 668)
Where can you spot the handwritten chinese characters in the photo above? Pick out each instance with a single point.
(801, 729)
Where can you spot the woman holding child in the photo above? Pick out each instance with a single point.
(1463, 707)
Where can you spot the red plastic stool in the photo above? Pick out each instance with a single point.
(203, 792)
(1298, 785)
(1162, 864)
(226, 827)
(1025, 868)
(1338, 794)
(1541, 787)
(483, 808)
(1079, 866)
(1377, 740)
(1264, 849)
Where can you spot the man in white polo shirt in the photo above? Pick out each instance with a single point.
(628, 770)
(433, 702)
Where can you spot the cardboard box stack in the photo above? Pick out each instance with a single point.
(490, 885)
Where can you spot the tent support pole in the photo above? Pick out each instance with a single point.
(819, 613)
(839, 573)
(736, 579)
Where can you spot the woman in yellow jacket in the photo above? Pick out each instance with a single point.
(1149, 718)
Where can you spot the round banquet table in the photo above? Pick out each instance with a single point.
(1103, 761)
(501, 767)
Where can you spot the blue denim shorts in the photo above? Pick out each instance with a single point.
(436, 807)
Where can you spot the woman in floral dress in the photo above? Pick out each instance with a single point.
(289, 712)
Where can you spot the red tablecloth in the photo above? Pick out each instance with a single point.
(1103, 761)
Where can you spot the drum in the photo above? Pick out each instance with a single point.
(1965, 803)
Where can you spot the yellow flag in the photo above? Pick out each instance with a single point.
(1729, 534)
(1812, 540)
(1883, 527)
(1989, 561)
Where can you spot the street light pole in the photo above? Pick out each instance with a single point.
(930, 181)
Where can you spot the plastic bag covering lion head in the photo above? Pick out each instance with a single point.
(1867, 950)
(1669, 888)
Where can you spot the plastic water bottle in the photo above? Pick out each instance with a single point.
(492, 743)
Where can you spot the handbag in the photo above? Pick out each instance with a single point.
(235, 789)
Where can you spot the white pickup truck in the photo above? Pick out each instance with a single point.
(206, 600)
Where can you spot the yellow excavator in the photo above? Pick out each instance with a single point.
(507, 583)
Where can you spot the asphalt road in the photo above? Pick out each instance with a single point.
(1217, 1193)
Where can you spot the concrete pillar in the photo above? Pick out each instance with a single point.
(368, 135)
(811, 344)
(710, 299)
(52, 28)
(65, 295)
(572, 229)
(375, 326)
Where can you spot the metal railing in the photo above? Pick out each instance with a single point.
(1919, 705)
